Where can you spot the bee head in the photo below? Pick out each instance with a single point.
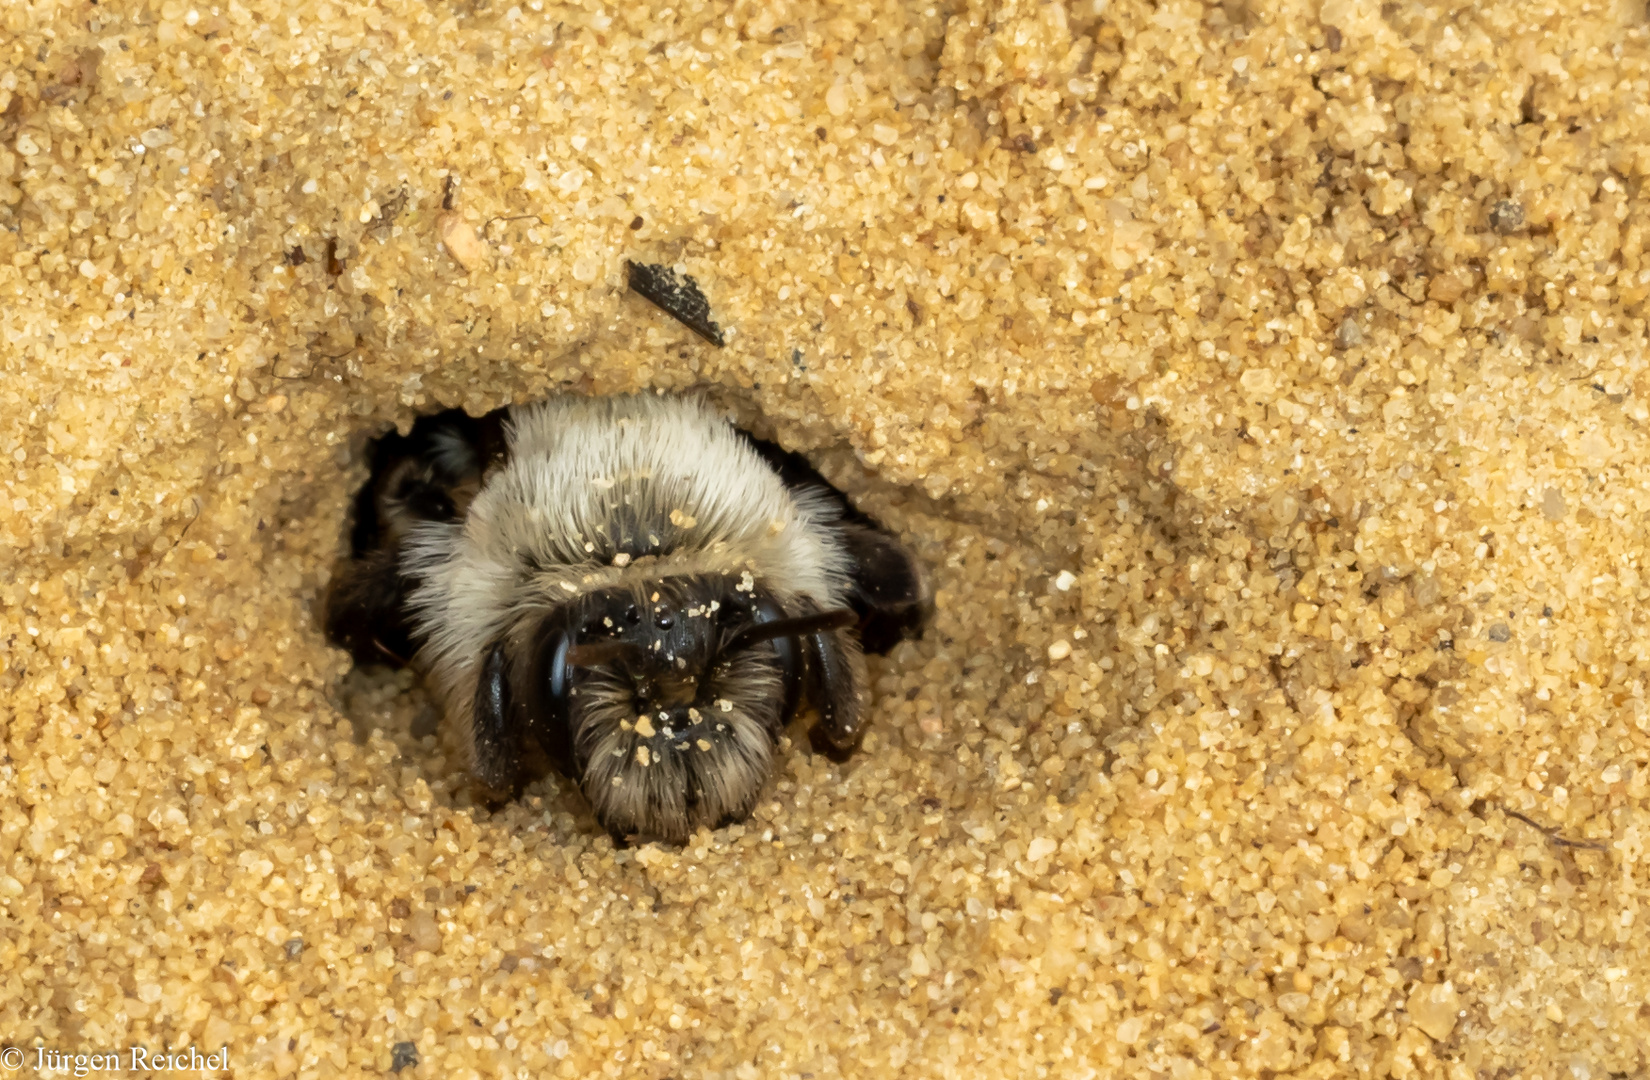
(667, 699)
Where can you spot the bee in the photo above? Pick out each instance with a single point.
(629, 590)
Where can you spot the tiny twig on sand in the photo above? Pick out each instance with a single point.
(1552, 834)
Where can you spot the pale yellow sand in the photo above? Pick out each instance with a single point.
(1268, 393)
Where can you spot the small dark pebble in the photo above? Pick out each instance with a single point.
(1025, 144)
(294, 948)
(1546, 612)
(635, 223)
(402, 1055)
(1506, 217)
(1332, 38)
(678, 296)
(296, 257)
(1055, 995)
(1500, 632)
(399, 909)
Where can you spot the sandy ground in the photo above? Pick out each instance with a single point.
(1266, 386)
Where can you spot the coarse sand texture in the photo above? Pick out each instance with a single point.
(1265, 386)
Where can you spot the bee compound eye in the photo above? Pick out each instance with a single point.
(557, 677)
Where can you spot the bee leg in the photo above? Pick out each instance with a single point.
(364, 610)
(495, 735)
(426, 475)
(890, 593)
(838, 685)
(422, 476)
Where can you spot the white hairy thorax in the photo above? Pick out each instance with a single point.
(542, 531)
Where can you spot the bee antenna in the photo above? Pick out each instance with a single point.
(796, 626)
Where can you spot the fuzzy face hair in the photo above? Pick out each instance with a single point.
(677, 729)
(660, 500)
